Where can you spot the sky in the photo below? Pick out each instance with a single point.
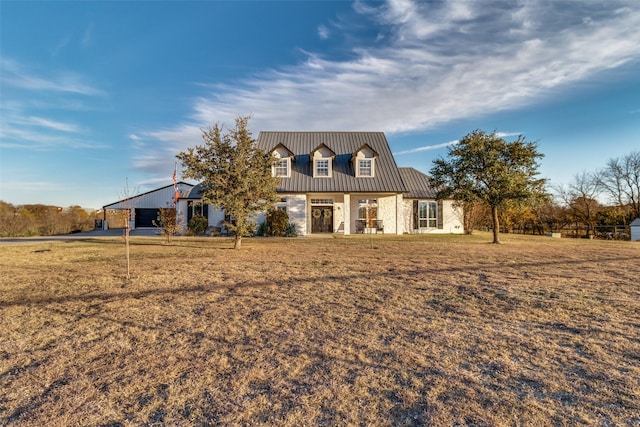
(97, 98)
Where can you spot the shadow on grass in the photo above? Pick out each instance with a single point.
(344, 278)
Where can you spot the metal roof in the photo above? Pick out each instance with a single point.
(344, 144)
(156, 198)
(418, 184)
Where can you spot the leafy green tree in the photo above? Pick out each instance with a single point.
(484, 167)
(234, 173)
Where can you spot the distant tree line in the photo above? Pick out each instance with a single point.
(43, 220)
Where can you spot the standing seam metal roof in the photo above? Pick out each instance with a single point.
(418, 185)
(387, 176)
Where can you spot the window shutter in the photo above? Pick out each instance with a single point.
(415, 215)
(440, 218)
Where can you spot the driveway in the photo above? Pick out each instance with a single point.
(115, 232)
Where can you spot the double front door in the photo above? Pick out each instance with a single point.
(322, 219)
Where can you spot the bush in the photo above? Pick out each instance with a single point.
(277, 221)
(198, 225)
(262, 229)
(291, 230)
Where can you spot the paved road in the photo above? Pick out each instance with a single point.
(116, 232)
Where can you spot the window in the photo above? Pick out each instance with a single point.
(322, 201)
(281, 168)
(368, 212)
(365, 167)
(322, 168)
(427, 214)
(282, 204)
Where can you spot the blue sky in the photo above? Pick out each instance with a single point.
(95, 95)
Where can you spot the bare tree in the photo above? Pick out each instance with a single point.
(127, 197)
(620, 179)
(581, 197)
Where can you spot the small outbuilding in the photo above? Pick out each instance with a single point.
(144, 208)
(635, 230)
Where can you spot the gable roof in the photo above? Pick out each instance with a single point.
(289, 153)
(160, 193)
(320, 147)
(418, 185)
(364, 148)
(344, 144)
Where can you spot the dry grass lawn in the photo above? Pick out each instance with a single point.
(398, 330)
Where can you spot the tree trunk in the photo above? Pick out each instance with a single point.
(237, 243)
(496, 224)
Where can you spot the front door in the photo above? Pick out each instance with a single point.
(322, 219)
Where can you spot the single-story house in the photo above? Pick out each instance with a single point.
(342, 182)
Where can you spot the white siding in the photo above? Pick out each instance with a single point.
(216, 216)
(297, 210)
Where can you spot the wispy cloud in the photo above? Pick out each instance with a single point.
(427, 148)
(437, 62)
(48, 124)
(16, 75)
(28, 108)
(323, 32)
(87, 37)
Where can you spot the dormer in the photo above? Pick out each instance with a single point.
(282, 158)
(364, 162)
(322, 161)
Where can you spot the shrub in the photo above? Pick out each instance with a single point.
(291, 230)
(277, 221)
(262, 229)
(198, 225)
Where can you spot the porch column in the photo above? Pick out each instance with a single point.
(347, 214)
(399, 214)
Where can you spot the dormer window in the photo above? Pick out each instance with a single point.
(322, 168)
(281, 168)
(365, 168)
(282, 158)
(364, 162)
(322, 158)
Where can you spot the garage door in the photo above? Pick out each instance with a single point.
(146, 217)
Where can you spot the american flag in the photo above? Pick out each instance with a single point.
(176, 194)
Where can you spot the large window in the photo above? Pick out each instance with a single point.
(365, 167)
(322, 168)
(427, 214)
(281, 168)
(368, 212)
